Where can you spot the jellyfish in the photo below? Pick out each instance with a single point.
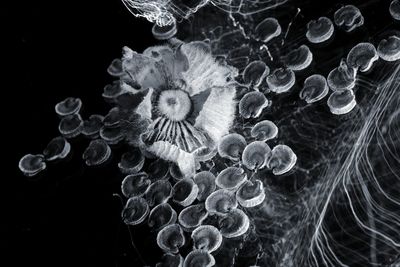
(171, 238)
(205, 181)
(192, 216)
(135, 211)
(175, 172)
(161, 215)
(91, 127)
(113, 90)
(341, 102)
(314, 89)
(131, 162)
(394, 9)
(112, 134)
(255, 72)
(171, 260)
(282, 159)
(251, 194)
(158, 170)
(164, 32)
(362, 56)
(231, 178)
(71, 125)
(342, 77)
(206, 238)
(252, 104)
(57, 148)
(320, 30)
(231, 146)
(234, 224)
(158, 192)
(112, 118)
(31, 165)
(389, 49)
(267, 29)
(96, 153)
(199, 258)
(348, 18)
(221, 202)
(299, 58)
(68, 106)
(135, 185)
(281, 80)
(185, 192)
(255, 155)
(264, 130)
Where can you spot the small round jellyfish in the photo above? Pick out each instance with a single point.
(171, 238)
(251, 194)
(319, 30)
(394, 9)
(185, 192)
(171, 260)
(131, 162)
(115, 68)
(31, 165)
(206, 238)
(252, 104)
(231, 146)
(314, 89)
(199, 258)
(255, 155)
(57, 148)
(299, 59)
(112, 118)
(91, 127)
(267, 29)
(96, 153)
(112, 135)
(264, 130)
(175, 172)
(135, 211)
(255, 72)
(112, 91)
(192, 216)
(231, 178)
(70, 126)
(161, 215)
(342, 77)
(389, 49)
(281, 80)
(158, 170)
(348, 18)
(135, 185)
(362, 56)
(221, 202)
(234, 224)
(158, 192)
(341, 102)
(282, 159)
(68, 106)
(205, 181)
(164, 32)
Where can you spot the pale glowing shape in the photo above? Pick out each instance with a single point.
(362, 56)
(282, 159)
(231, 146)
(231, 178)
(251, 194)
(255, 155)
(389, 49)
(320, 30)
(267, 29)
(57, 148)
(192, 216)
(348, 18)
(299, 58)
(314, 89)
(342, 77)
(221, 202)
(207, 238)
(135, 211)
(264, 130)
(281, 80)
(185, 192)
(31, 165)
(199, 258)
(171, 238)
(342, 102)
(234, 224)
(161, 216)
(394, 9)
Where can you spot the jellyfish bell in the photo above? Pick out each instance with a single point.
(282, 159)
(158, 192)
(362, 56)
(31, 165)
(192, 216)
(112, 134)
(91, 127)
(348, 18)
(234, 224)
(206, 238)
(341, 102)
(112, 91)
(71, 125)
(164, 32)
(231, 178)
(314, 89)
(281, 80)
(158, 170)
(57, 148)
(389, 49)
(342, 77)
(161, 215)
(68, 106)
(131, 161)
(394, 9)
(267, 29)
(251, 194)
(135, 185)
(221, 202)
(112, 118)
(299, 59)
(175, 172)
(185, 192)
(255, 72)
(135, 211)
(255, 155)
(231, 146)
(205, 181)
(171, 260)
(252, 104)
(171, 238)
(320, 30)
(264, 130)
(96, 153)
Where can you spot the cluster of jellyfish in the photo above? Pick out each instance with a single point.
(189, 176)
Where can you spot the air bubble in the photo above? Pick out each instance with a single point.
(362, 56)
(348, 18)
(255, 72)
(185, 192)
(389, 49)
(161, 216)
(282, 159)
(91, 127)
(207, 238)
(341, 102)
(57, 148)
(131, 162)
(96, 153)
(205, 181)
(158, 192)
(234, 224)
(171, 260)
(342, 77)
(171, 238)
(319, 30)
(394, 9)
(231, 178)
(164, 32)
(299, 59)
(231, 146)
(68, 106)
(255, 155)
(251, 194)
(267, 29)
(221, 202)
(70, 126)
(281, 80)
(135, 185)
(31, 165)
(135, 211)
(192, 216)
(264, 130)
(252, 104)
(314, 89)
